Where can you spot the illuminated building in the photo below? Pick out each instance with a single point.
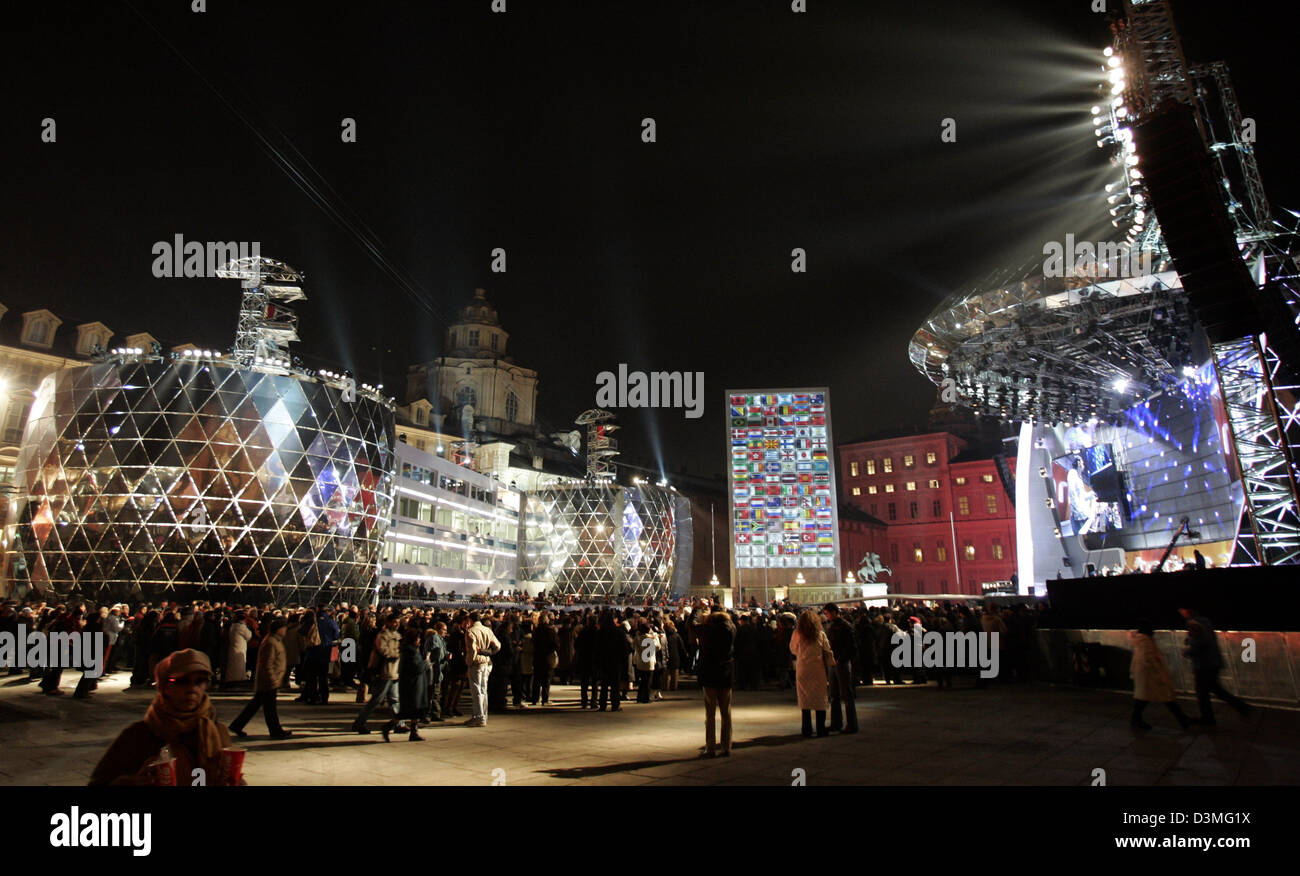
(950, 523)
(147, 475)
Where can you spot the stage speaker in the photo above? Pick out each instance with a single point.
(1185, 190)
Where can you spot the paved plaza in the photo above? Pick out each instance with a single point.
(1007, 735)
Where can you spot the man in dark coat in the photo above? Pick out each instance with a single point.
(584, 652)
(845, 647)
(1207, 662)
(716, 672)
(412, 685)
(613, 645)
(269, 675)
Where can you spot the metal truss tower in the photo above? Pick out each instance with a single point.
(1263, 416)
(266, 326)
(601, 447)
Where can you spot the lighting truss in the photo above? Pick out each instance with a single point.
(1263, 423)
(602, 447)
(1058, 349)
(1264, 426)
(266, 325)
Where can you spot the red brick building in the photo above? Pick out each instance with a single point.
(923, 491)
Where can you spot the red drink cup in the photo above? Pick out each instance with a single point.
(163, 772)
(232, 765)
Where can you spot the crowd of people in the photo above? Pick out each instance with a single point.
(424, 661)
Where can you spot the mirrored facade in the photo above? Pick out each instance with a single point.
(602, 540)
(167, 478)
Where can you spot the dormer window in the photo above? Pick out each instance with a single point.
(91, 335)
(39, 327)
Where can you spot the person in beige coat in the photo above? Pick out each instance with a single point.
(271, 667)
(1152, 682)
(812, 652)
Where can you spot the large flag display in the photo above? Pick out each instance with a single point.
(783, 513)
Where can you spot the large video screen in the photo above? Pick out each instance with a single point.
(783, 511)
(1090, 493)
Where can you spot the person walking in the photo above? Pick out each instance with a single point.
(272, 666)
(412, 686)
(383, 662)
(1207, 662)
(480, 644)
(812, 655)
(716, 670)
(845, 648)
(1152, 682)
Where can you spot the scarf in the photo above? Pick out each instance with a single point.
(170, 724)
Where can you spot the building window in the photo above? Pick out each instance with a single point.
(913, 510)
(963, 505)
(873, 509)
(911, 486)
(988, 479)
(918, 555)
(909, 460)
(453, 337)
(872, 489)
(893, 552)
(871, 466)
(991, 502)
(997, 549)
(889, 488)
(938, 508)
(930, 457)
(889, 464)
(942, 553)
(961, 482)
(466, 396)
(419, 416)
(512, 405)
(970, 551)
(37, 332)
(494, 340)
(853, 469)
(934, 484)
(15, 421)
(473, 337)
(893, 511)
(857, 491)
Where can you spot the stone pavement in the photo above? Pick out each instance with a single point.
(1006, 735)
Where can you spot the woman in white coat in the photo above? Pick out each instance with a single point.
(1152, 682)
(237, 651)
(812, 652)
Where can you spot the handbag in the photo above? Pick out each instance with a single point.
(553, 659)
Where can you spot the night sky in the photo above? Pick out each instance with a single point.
(523, 131)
